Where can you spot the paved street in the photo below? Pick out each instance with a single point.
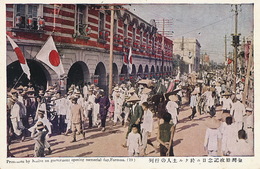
(188, 140)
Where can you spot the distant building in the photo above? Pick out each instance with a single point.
(189, 51)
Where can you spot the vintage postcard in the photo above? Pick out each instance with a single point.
(129, 84)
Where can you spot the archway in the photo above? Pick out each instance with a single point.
(39, 75)
(146, 70)
(100, 71)
(115, 74)
(133, 70)
(140, 70)
(152, 72)
(78, 74)
(157, 69)
(124, 70)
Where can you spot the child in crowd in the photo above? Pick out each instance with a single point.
(39, 136)
(134, 141)
(111, 108)
(165, 136)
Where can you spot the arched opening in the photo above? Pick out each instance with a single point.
(140, 70)
(152, 72)
(146, 70)
(133, 70)
(100, 71)
(78, 74)
(124, 70)
(39, 75)
(157, 69)
(115, 74)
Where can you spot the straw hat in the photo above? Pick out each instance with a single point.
(41, 92)
(19, 88)
(40, 125)
(131, 90)
(226, 94)
(30, 91)
(173, 98)
(213, 123)
(133, 98)
(224, 116)
(41, 111)
(13, 91)
(249, 109)
(146, 90)
(116, 89)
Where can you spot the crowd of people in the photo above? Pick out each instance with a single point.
(135, 105)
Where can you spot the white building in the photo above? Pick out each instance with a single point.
(189, 51)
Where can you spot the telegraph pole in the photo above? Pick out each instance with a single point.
(111, 51)
(164, 23)
(235, 44)
(226, 54)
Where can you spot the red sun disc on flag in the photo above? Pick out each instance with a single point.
(19, 54)
(54, 58)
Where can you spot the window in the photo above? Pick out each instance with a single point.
(133, 34)
(81, 20)
(101, 24)
(125, 30)
(147, 40)
(141, 37)
(115, 27)
(27, 16)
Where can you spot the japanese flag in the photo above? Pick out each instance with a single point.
(50, 56)
(130, 61)
(20, 57)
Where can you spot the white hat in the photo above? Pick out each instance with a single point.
(133, 98)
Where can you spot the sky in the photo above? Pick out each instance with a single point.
(208, 23)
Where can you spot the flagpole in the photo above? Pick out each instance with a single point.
(18, 80)
(111, 50)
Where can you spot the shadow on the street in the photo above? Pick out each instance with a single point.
(186, 127)
(28, 146)
(84, 154)
(103, 134)
(176, 142)
(56, 143)
(72, 147)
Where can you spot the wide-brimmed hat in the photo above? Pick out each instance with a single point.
(249, 109)
(226, 94)
(41, 111)
(40, 125)
(19, 87)
(131, 90)
(116, 89)
(146, 90)
(133, 98)
(173, 98)
(13, 91)
(213, 123)
(41, 92)
(30, 91)
(224, 116)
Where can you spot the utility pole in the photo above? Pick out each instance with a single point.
(235, 44)
(164, 33)
(226, 54)
(112, 9)
(111, 51)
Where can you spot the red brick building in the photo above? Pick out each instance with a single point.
(81, 34)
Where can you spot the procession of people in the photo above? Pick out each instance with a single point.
(39, 114)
